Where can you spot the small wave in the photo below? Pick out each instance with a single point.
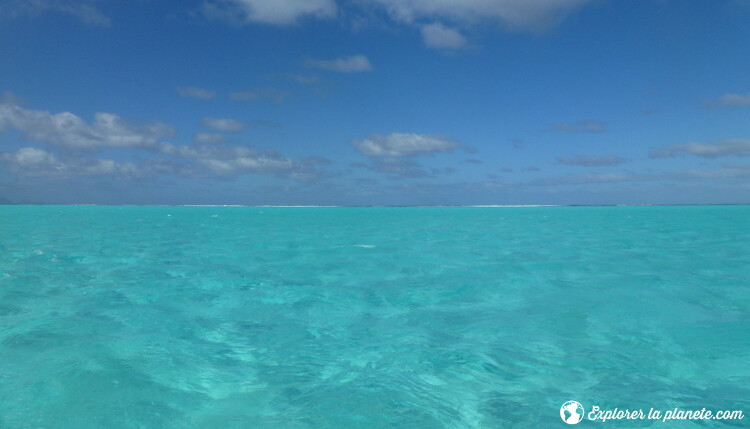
(366, 246)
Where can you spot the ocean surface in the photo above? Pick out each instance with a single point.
(249, 317)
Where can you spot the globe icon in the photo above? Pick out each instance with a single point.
(571, 412)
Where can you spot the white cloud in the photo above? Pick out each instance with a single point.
(30, 156)
(398, 168)
(207, 154)
(729, 147)
(224, 125)
(730, 100)
(351, 64)
(224, 159)
(186, 160)
(192, 92)
(518, 15)
(253, 163)
(438, 36)
(515, 14)
(399, 144)
(68, 130)
(208, 138)
(275, 12)
(85, 10)
(30, 161)
(431, 16)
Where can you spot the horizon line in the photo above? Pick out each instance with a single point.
(378, 206)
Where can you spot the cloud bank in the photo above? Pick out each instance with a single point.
(402, 144)
(273, 12)
(729, 147)
(351, 64)
(224, 125)
(84, 10)
(526, 15)
(729, 100)
(68, 130)
(30, 161)
(438, 36)
(72, 137)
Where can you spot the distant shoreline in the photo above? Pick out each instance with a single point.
(379, 206)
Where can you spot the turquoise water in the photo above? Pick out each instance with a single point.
(244, 317)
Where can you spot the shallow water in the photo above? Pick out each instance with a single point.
(224, 317)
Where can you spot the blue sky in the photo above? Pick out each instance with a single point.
(374, 102)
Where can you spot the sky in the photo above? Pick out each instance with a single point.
(374, 102)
